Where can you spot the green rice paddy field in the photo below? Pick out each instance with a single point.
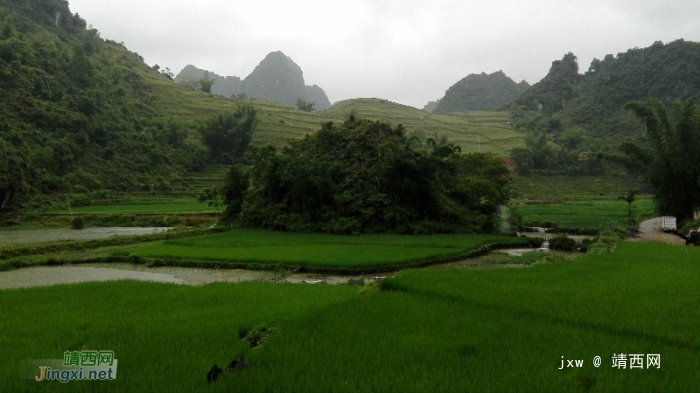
(316, 251)
(260, 249)
(586, 214)
(425, 330)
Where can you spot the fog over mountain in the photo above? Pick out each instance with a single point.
(387, 49)
(223, 86)
(277, 78)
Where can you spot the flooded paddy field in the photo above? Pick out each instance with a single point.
(39, 276)
(66, 267)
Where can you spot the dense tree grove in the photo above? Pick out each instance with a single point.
(668, 156)
(364, 176)
(550, 150)
(227, 135)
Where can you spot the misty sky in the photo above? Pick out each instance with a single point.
(406, 51)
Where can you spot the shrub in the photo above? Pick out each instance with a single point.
(255, 336)
(606, 241)
(562, 243)
(77, 223)
(535, 242)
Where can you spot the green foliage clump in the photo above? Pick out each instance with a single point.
(211, 195)
(305, 106)
(562, 243)
(551, 148)
(364, 176)
(372, 286)
(669, 155)
(228, 135)
(77, 223)
(234, 192)
(606, 241)
(255, 336)
(206, 83)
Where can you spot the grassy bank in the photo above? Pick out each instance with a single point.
(427, 330)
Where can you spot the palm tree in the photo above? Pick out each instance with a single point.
(629, 198)
(669, 155)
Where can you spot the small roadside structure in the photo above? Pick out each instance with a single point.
(545, 246)
(668, 224)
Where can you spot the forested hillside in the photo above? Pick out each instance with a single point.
(76, 115)
(480, 92)
(573, 118)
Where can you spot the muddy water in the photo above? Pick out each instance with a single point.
(68, 274)
(542, 234)
(25, 236)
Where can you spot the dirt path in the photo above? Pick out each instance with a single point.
(650, 231)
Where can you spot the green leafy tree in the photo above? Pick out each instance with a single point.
(669, 155)
(305, 106)
(536, 155)
(211, 195)
(229, 134)
(234, 191)
(205, 83)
